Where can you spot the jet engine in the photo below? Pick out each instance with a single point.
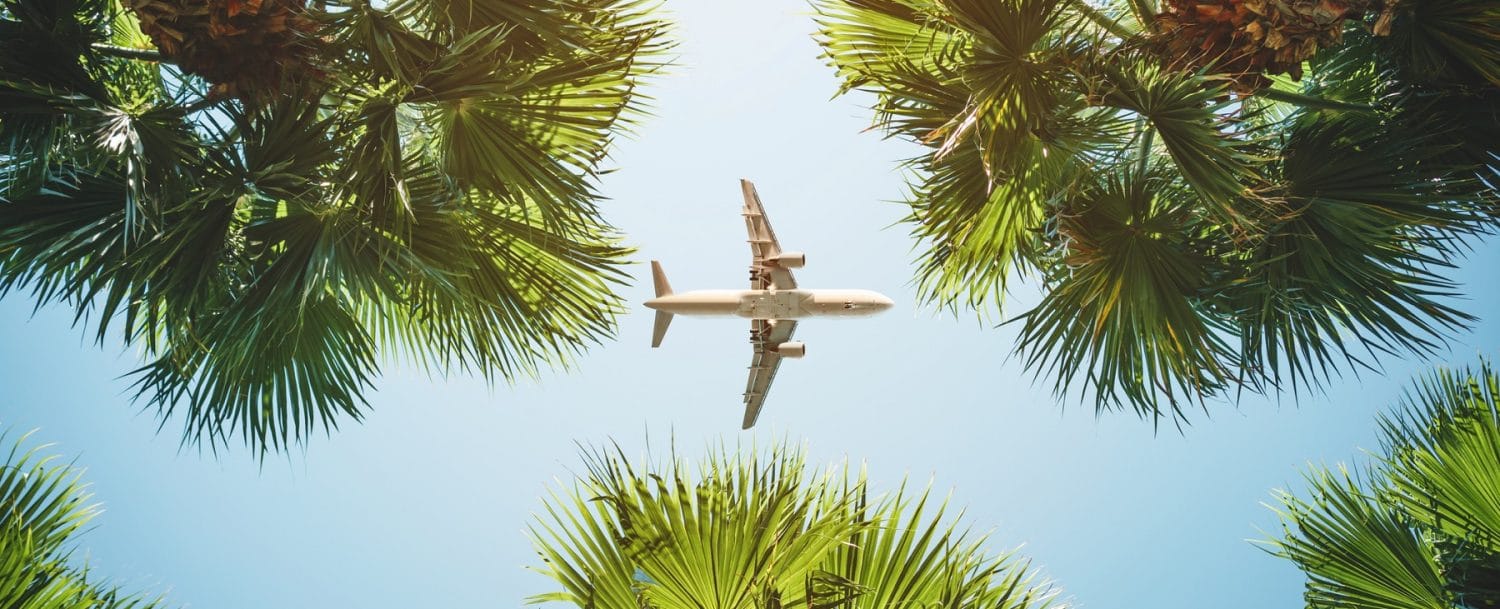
(794, 349)
(790, 260)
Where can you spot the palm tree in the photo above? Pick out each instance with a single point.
(42, 507)
(271, 196)
(1422, 528)
(758, 531)
(1217, 196)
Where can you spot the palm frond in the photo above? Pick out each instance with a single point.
(1357, 551)
(1192, 118)
(43, 506)
(1444, 454)
(1447, 40)
(46, 43)
(1422, 530)
(747, 528)
(1128, 312)
(981, 232)
(1364, 248)
(758, 529)
(876, 41)
(915, 556)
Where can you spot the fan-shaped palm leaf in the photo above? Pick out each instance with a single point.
(1357, 551)
(42, 507)
(916, 558)
(758, 531)
(1444, 455)
(1129, 311)
(1368, 230)
(1423, 531)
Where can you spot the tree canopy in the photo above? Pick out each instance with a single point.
(1216, 197)
(271, 198)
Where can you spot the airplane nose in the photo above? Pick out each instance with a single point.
(883, 303)
(653, 303)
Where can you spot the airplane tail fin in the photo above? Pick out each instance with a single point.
(663, 319)
(660, 280)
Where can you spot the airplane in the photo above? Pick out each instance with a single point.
(773, 303)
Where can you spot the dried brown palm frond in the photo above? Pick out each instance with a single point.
(1247, 40)
(246, 48)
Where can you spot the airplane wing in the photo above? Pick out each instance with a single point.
(764, 336)
(763, 246)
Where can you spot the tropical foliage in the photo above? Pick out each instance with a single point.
(1217, 196)
(759, 531)
(42, 507)
(269, 197)
(1422, 528)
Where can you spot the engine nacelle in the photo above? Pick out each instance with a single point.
(790, 260)
(794, 349)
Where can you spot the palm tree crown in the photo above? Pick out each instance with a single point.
(758, 531)
(270, 196)
(1202, 222)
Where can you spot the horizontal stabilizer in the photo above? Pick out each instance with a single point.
(659, 279)
(663, 319)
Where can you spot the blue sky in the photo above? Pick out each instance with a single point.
(426, 502)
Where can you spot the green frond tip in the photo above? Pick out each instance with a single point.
(429, 193)
(757, 528)
(1444, 448)
(1421, 529)
(43, 505)
(1356, 550)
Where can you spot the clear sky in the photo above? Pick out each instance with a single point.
(424, 505)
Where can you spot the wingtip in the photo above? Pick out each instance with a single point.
(749, 420)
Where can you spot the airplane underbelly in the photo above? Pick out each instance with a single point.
(773, 304)
(786, 304)
(699, 302)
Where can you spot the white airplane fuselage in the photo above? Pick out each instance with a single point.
(773, 304)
